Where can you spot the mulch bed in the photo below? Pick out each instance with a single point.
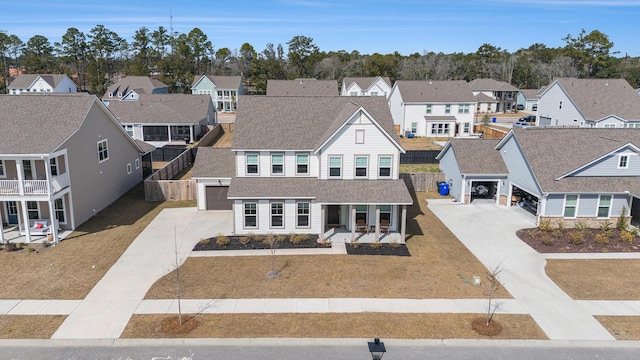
(564, 241)
(257, 242)
(378, 249)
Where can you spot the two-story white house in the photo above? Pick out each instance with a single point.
(366, 86)
(432, 108)
(224, 90)
(325, 165)
(129, 88)
(500, 96)
(602, 103)
(29, 83)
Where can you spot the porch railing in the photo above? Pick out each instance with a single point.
(34, 187)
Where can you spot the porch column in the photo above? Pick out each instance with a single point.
(1, 231)
(377, 238)
(54, 223)
(322, 208)
(352, 212)
(403, 223)
(25, 220)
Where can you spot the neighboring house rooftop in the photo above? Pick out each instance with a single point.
(269, 122)
(24, 81)
(221, 82)
(477, 156)
(365, 82)
(162, 109)
(40, 124)
(302, 87)
(530, 94)
(599, 98)
(490, 84)
(482, 97)
(141, 84)
(435, 91)
(214, 163)
(145, 146)
(554, 152)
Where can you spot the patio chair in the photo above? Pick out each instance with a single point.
(361, 226)
(385, 226)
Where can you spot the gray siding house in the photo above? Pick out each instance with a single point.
(63, 159)
(224, 90)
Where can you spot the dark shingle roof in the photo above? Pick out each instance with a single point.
(23, 81)
(554, 152)
(365, 82)
(142, 84)
(302, 87)
(39, 124)
(325, 191)
(221, 82)
(297, 123)
(478, 156)
(598, 98)
(162, 109)
(214, 163)
(435, 91)
(490, 84)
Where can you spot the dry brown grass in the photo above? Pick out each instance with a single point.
(71, 269)
(29, 326)
(596, 279)
(621, 327)
(436, 269)
(420, 143)
(360, 325)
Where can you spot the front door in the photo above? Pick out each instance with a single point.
(333, 215)
(12, 212)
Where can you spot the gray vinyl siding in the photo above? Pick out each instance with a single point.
(519, 172)
(587, 205)
(449, 166)
(620, 201)
(609, 166)
(554, 206)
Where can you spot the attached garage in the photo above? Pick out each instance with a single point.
(216, 198)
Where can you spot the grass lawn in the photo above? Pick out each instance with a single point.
(360, 325)
(418, 168)
(420, 143)
(29, 326)
(70, 269)
(621, 327)
(596, 279)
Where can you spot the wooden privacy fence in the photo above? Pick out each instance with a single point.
(160, 186)
(419, 157)
(210, 137)
(422, 181)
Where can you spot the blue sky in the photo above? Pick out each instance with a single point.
(406, 26)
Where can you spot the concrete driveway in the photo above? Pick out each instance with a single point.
(488, 231)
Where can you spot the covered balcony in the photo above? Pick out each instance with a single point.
(33, 177)
(34, 187)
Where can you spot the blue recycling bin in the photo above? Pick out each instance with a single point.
(493, 119)
(444, 188)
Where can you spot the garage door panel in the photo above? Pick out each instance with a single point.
(217, 198)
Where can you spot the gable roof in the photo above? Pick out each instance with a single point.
(530, 94)
(39, 124)
(435, 91)
(162, 109)
(365, 83)
(221, 82)
(142, 85)
(477, 156)
(482, 97)
(214, 163)
(554, 152)
(599, 98)
(301, 123)
(24, 81)
(302, 87)
(490, 84)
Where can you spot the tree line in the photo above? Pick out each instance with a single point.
(175, 58)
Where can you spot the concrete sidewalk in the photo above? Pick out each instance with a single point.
(489, 232)
(106, 310)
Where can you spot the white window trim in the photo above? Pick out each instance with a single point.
(53, 164)
(447, 108)
(414, 127)
(283, 167)
(3, 175)
(63, 210)
(308, 161)
(137, 163)
(428, 109)
(359, 136)
(246, 164)
(298, 226)
(355, 166)
(627, 158)
(271, 215)
(390, 167)
(390, 212)
(129, 170)
(36, 209)
(244, 215)
(564, 206)
(329, 167)
(106, 149)
(610, 206)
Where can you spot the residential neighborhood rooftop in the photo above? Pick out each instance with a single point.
(530, 94)
(435, 91)
(302, 87)
(23, 81)
(365, 82)
(142, 85)
(214, 163)
(221, 82)
(478, 156)
(162, 109)
(491, 84)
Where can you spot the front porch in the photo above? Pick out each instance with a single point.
(11, 234)
(340, 235)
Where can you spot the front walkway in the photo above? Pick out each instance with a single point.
(489, 232)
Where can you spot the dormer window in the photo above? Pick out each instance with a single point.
(623, 161)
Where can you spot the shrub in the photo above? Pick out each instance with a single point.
(222, 240)
(560, 224)
(635, 232)
(376, 244)
(581, 226)
(626, 237)
(548, 241)
(204, 241)
(576, 237)
(244, 240)
(608, 233)
(270, 240)
(557, 233)
(602, 239)
(532, 233)
(281, 238)
(545, 225)
(251, 236)
(30, 249)
(10, 247)
(298, 238)
(605, 226)
(354, 243)
(325, 242)
(394, 244)
(622, 222)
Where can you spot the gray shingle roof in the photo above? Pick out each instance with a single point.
(300, 123)
(221, 82)
(145, 146)
(23, 81)
(39, 124)
(302, 87)
(162, 109)
(142, 84)
(440, 118)
(598, 98)
(553, 152)
(435, 91)
(481, 97)
(530, 94)
(365, 82)
(490, 84)
(214, 163)
(478, 156)
(324, 191)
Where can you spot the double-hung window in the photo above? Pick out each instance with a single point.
(362, 163)
(277, 164)
(277, 215)
(335, 166)
(463, 109)
(54, 166)
(250, 215)
(103, 150)
(58, 206)
(623, 161)
(447, 109)
(428, 110)
(302, 164)
(385, 213)
(570, 205)
(32, 210)
(302, 220)
(384, 166)
(414, 128)
(2, 171)
(604, 206)
(252, 163)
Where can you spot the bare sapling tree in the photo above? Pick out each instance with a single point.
(177, 269)
(273, 243)
(493, 284)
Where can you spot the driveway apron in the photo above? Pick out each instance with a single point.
(489, 232)
(106, 310)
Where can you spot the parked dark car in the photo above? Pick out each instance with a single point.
(528, 118)
(534, 107)
(520, 107)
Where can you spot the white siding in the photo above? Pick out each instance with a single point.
(549, 106)
(202, 198)
(290, 215)
(396, 105)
